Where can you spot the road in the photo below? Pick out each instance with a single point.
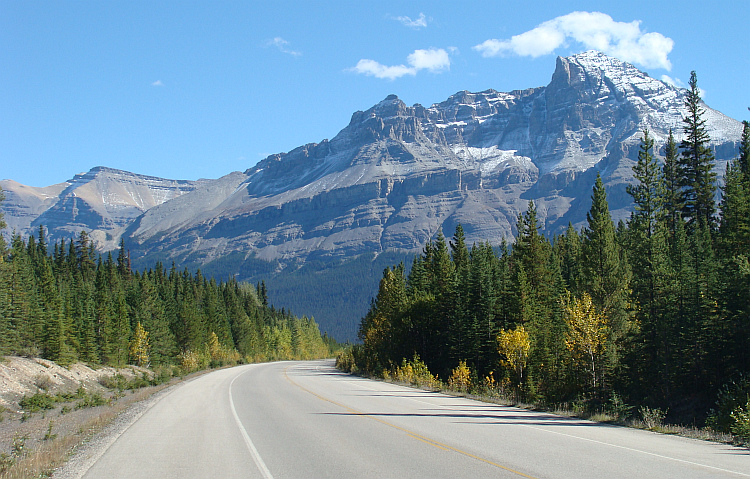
(307, 420)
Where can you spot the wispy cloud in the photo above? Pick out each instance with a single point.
(434, 60)
(157, 83)
(676, 82)
(283, 46)
(592, 30)
(419, 22)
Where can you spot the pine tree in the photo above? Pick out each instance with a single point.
(538, 287)
(486, 277)
(671, 181)
(462, 333)
(697, 180)
(380, 332)
(567, 249)
(3, 225)
(646, 239)
(733, 246)
(606, 274)
(648, 192)
(443, 274)
(149, 312)
(743, 159)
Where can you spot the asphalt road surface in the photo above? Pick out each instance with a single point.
(307, 420)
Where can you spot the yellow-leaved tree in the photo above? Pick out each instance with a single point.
(460, 379)
(514, 345)
(214, 348)
(587, 333)
(139, 347)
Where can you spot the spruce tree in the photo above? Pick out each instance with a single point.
(743, 159)
(443, 274)
(538, 288)
(671, 181)
(697, 180)
(3, 225)
(462, 334)
(606, 274)
(648, 192)
(482, 294)
(567, 249)
(733, 246)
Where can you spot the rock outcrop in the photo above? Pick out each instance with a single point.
(394, 176)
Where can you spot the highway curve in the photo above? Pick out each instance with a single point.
(307, 420)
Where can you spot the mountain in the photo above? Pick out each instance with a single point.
(389, 181)
(102, 202)
(397, 174)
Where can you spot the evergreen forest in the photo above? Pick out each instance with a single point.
(654, 311)
(66, 303)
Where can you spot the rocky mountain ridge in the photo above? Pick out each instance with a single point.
(391, 179)
(101, 201)
(397, 174)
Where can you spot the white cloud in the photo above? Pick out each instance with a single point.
(283, 46)
(157, 83)
(676, 82)
(434, 60)
(592, 30)
(419, 22)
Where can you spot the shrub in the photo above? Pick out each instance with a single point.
(43, 381)
(37, 402)
(460, 379)
(191, 361)
(6, 462)
(652, 418)
(415, 372)
(741, 422)
(18, 447)
(618, 408)
(49, 436)
(162, 375)
(735, 394)
(91, 400)
(345, 361)
(116, 381)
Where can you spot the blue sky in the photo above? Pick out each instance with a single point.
(189, 89)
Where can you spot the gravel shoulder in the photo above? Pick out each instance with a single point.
(71, 433)
(89, 451)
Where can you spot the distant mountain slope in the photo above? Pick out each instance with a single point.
(102, 202)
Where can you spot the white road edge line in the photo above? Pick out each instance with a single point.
(249, 443)
(698, 464)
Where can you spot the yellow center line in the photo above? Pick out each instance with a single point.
(413, 434)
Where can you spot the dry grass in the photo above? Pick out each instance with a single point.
(53, 453)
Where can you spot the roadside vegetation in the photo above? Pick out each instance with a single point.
(52, 425)
(66, 303)
(646, 322)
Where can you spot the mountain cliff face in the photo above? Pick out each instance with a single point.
(102, 202)
(386, 183)
(397, 174)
